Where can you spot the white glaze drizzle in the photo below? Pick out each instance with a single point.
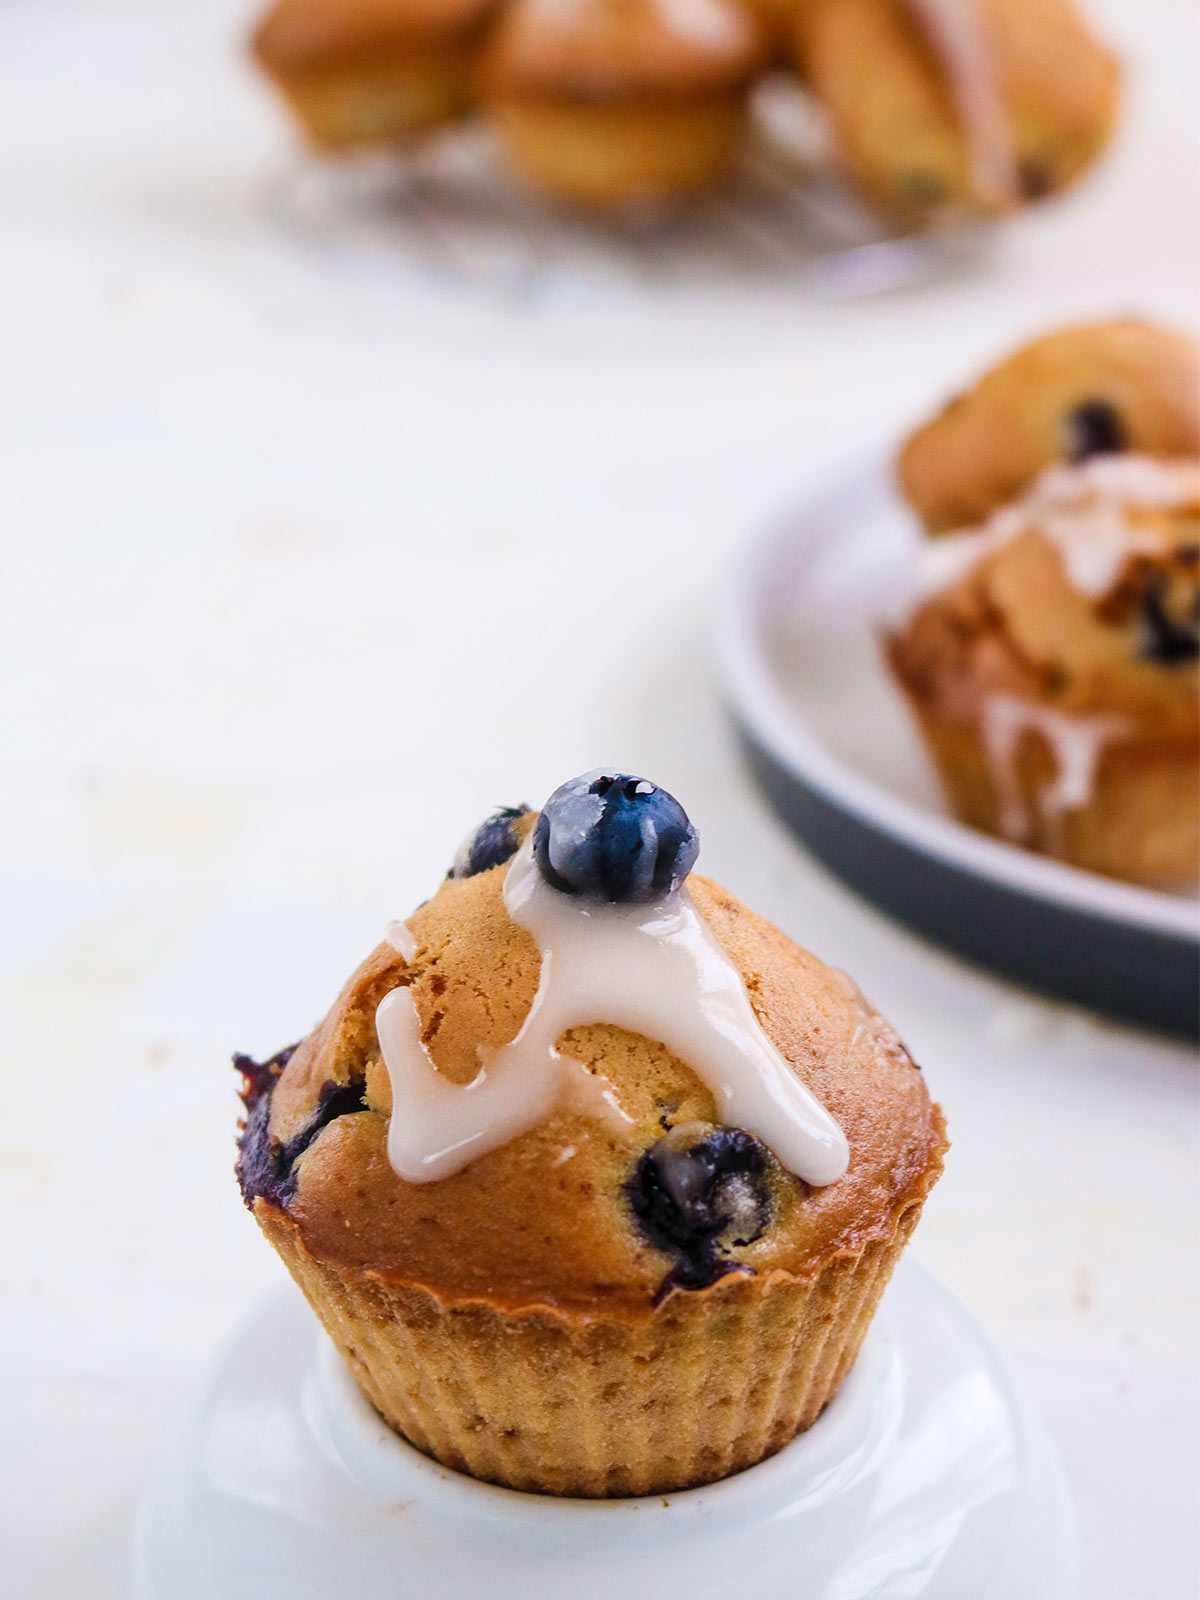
(399, 936)
(1076, 743)
(954, 32)
(655, 969)
(1083, 509)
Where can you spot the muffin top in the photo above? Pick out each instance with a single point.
(598, 50)
(1097, 389)
(1084, 597)
(689, 1093)
(300, 35)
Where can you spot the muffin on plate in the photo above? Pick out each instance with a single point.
(370, 74)
(614, 103)
(950, 107)
(592, 1176)
(1052, 658)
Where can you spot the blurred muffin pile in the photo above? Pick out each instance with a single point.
(934, 108)
(1052, 659)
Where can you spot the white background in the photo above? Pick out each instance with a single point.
(310, 560)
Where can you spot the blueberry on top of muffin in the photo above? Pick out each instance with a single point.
(615, 837)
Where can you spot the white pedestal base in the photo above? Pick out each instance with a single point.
(924, 1478)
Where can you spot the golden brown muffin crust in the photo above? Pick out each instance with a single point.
(988, 444)
(300, 35)
(544, 1220)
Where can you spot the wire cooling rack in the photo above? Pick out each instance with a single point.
(449, 208)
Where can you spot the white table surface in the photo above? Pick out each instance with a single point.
(310, 560)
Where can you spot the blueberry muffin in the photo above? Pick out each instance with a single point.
(592, 1176)
(1098, 388)
(1052, 661)
(361, 74)
(611, 103)
(944, 107)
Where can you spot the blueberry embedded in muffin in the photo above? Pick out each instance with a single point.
(1037, 176)
(1170, 614)
(698, 1193)
(266, 1167)
(496, 840)
(258, 1171)
(1094, 428)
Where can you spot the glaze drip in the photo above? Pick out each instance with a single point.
(397, 934)
(954, 31)
(1076, 743)
(1082, 508)
(654, 969)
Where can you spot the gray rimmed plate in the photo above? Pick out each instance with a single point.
(830, 741)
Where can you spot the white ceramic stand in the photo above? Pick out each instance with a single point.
(925, 1478)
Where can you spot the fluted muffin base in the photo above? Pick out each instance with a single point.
(924, 1476)
(601, 1407)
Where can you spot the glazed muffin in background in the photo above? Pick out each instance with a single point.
(959, 107)
(1052, 660)
(640, 1252)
